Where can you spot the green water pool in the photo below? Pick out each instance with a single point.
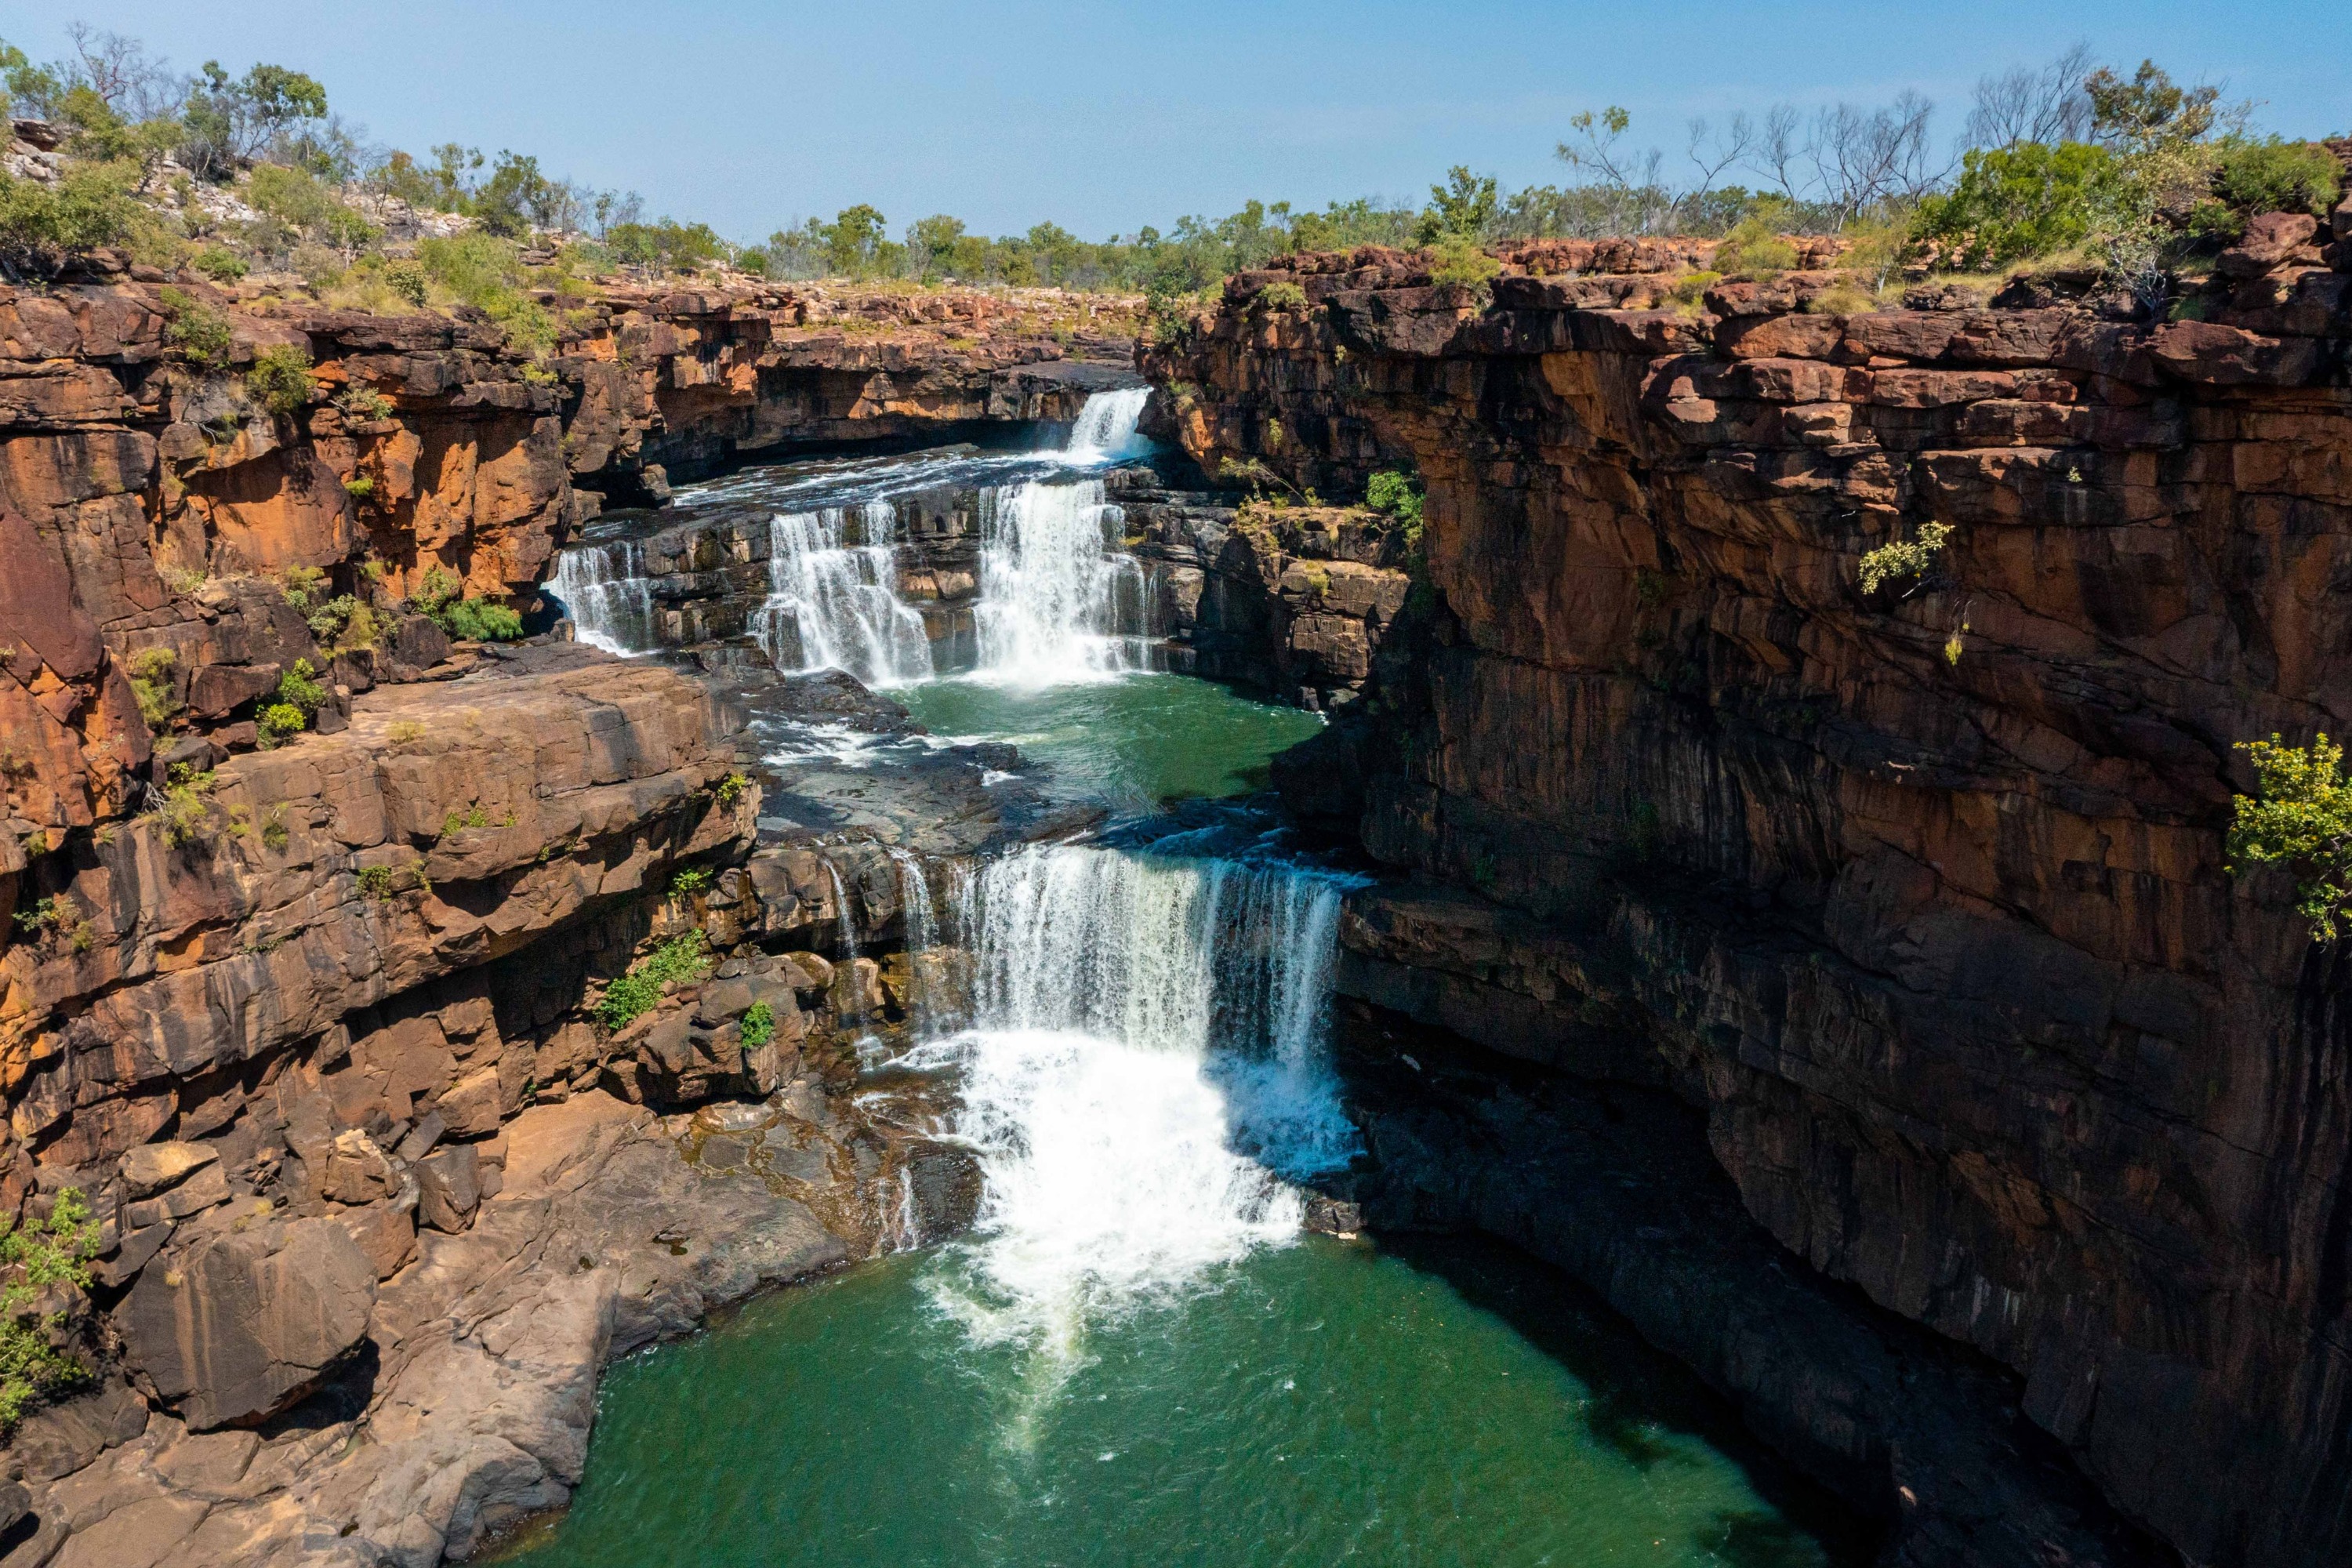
(1320, 1403)
(1138, 741)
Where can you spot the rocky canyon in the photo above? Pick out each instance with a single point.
(495, 865)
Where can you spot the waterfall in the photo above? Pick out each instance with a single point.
(1105, 430)
(1056, 603)
(839, 602)
(606, 591)
(1147, 1064)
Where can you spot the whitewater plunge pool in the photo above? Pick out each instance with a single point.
(1140, 1356)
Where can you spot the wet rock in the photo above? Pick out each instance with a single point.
(947, 1185)
(235, 1327)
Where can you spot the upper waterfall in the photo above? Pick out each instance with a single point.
(834, 604)
(1105, 430)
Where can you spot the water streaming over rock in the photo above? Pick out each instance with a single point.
(610, 598)
(1057, 602)
(1105, 429)
(834, 604)
(1148, 1066)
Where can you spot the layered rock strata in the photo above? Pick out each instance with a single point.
(1918, 894)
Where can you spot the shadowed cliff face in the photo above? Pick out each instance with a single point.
(1918, 893)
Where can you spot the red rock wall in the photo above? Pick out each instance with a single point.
(1920, 894)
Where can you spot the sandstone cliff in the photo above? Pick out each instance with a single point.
(1918, 894)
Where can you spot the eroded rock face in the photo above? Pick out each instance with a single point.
(1920, 894)
(245, 1323)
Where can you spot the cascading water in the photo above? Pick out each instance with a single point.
(1105, 430)
(832, 605)
(611, 600)
(1135, 1113)
(1056, 603)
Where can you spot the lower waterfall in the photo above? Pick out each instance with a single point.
(1136, 1104)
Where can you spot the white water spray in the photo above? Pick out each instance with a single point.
(611, 601)
(837, 603)
(1149, 1066)
(1057, 602)
(1105, 429)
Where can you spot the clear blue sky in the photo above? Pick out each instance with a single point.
(1103, 117)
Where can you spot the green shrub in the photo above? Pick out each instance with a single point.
(1904, 558)
(1755, 249)
(151, 685)
(280, 379)
(2273, 175)
(90, 206)
(759, 1026)
(486, 272)
(693, 880)
(472, 620)
(2301, 816)
(360, 487)
(1458, 262)
(679, 961)
(363, 404)
(299, 687)
(40, 1253)
(199, 332)
(2015, 203)
(219, 263)
(1281, 296)
(280, 722)
(728, 790)
(375, 882)
(186, 811)
(45, 914)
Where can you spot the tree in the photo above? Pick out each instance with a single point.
(2048, 106)
(2300, 816)
(851, 240)
(229, 120)
(1462, 208)
(933, 245)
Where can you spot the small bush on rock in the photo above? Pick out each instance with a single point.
(37, 1254)
(199, 332)
(280, 379)
(1904, 558)
(679, 961)
(471, 620)
(2300, 816)
(218, 263)
(152, 686)
(759, 1026)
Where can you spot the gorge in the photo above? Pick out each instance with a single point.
(1563, 1028)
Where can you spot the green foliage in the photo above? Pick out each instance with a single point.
(1756, 248)
(472, 620)
(693, 880)
(280, 722)
(280, 379)
(679, 961)
(299, 687)
(1396, 494)
(1458, 262)
(186, 811)
(2018, 202)
(666, 246)
(199, 332)
(90, 206)
(375, 882)
(457, 821)
(759, 1026)
(1904, 558)
(2273, 175)
(274, 834)
(360, 487)
(40, 1253)
(728, 790)
(363, 405)
(1464, 208)
(219, 263)
(1281, 296)
(2301, 816)
(486, 272)
(151, 685)
(45, 914)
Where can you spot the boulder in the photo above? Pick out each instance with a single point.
(202, 1191)
(151, 1167)
(449, 1188)
(241, 1325)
